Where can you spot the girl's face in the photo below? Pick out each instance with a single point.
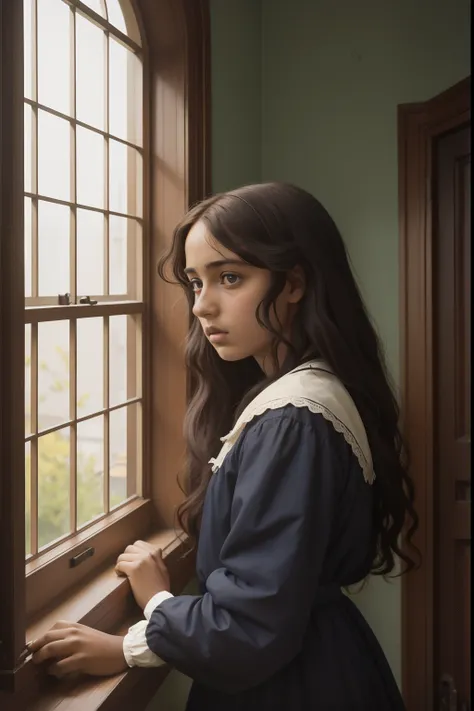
(227, 292)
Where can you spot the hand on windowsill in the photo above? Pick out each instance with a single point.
(143, 564)
(71, 648)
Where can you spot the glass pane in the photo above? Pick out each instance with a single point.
(29, 149)
(27, 498)
(124, 429)
(54, 55)
(53, 248)
(125, 165)
(28, 48)
(123, 356)
(53, 373)
(116, 15)
(124, 242)
(90, 469)
(125, 85)
(90, 365)
(53, 486)
(54, 156)
(90, 253)
(96, 5)
(27, 379)
(90, 168)
(90, 72)
(28, 242)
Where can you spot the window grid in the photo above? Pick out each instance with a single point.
(40, 309)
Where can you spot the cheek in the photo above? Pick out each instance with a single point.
(244, 307)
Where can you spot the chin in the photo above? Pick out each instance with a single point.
(230, 354)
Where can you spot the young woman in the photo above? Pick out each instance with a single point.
(297, 485)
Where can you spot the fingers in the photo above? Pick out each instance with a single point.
(139, 547)
(63, 667)
(143, 545)
(159, 559)
(127, 558)
(53, 650)
(124, 568)
(57, 632)
(131, 556)
(137, 554)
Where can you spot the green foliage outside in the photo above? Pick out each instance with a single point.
(53, 482)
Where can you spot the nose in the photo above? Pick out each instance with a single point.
(205, 305)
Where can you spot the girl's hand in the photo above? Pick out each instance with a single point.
(71, 648)
(145, 569)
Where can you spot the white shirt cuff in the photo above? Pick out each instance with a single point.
(156, 600)
(136, 651)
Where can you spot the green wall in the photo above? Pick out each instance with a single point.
(307, 91)
(236, 92)
(333, 74)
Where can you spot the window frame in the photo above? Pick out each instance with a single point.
(114, 528)
(175, 37)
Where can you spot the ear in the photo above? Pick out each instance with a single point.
(295, 284)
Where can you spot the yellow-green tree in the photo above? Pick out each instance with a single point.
(54, 482)
(54, 488)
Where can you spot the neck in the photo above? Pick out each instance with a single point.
(270, 368)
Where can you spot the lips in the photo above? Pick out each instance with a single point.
(213, 331)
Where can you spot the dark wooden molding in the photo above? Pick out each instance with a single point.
(12, 448)
(199, 99)
(419, 126)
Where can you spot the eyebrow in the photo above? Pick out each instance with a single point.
(212, 265)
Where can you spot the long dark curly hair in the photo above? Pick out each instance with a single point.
(277, 226)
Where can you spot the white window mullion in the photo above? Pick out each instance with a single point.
(106, 415)
(107, 167)
(73, 286)
(34, 441)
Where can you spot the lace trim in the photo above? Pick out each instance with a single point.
(314, 407)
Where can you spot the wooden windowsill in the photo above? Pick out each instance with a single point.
(105, 603)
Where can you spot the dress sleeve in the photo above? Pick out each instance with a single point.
(251, 620)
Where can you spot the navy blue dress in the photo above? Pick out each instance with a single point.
(287, 521)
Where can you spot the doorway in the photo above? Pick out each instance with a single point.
(434, 159)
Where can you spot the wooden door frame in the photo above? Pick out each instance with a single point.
(419, 125)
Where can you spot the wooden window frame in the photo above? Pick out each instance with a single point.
(176, 42)
(103, 534)
(419, 125)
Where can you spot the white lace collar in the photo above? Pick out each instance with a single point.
(314, 386)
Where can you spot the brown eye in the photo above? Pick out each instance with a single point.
(195, 284)
(231, 279)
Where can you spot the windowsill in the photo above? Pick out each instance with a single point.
(105, 603)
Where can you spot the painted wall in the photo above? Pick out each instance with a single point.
(236, 34)
(307, 91)
(333, 74)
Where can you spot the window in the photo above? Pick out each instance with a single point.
(92, 395)
(83, 241)
(83, 158)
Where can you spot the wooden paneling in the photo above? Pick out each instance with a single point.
(451, 387)
(420, 125)
(12, 348)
